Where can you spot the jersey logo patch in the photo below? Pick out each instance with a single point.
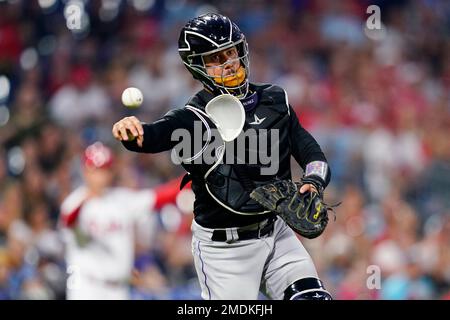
(258, 120)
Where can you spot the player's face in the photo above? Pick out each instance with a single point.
(98, 178)
(223, 63)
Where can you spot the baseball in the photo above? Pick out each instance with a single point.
(132, 97)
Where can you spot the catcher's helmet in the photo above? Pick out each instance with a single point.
(207, 34)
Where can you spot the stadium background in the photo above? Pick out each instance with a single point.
(380, 107)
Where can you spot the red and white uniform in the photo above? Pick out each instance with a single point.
(101, 231)
(100, 235)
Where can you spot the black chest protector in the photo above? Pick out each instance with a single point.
(230, 183)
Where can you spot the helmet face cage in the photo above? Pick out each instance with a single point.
(194, 61)
(199, 67)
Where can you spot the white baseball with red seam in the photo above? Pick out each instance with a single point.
(132, 97)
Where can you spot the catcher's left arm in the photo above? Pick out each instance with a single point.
(305, 213)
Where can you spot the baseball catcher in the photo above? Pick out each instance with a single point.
(239, 241)
(305, 213)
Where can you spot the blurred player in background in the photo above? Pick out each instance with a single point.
(101, 226)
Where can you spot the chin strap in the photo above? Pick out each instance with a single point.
(233, 80)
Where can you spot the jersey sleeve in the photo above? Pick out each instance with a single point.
(167, 192)
(158, 135)
(150, 200)
(140, 202)
(71, 208)
(304, 147)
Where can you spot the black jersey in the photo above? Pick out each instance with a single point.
(222, 196)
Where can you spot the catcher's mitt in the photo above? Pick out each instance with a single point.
(305, 213)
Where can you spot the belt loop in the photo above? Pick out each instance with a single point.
(261, 226)
(235, 234)
(231, 234)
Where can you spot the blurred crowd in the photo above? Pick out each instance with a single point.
(378, 103)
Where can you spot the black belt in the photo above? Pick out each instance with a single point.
(221, 235)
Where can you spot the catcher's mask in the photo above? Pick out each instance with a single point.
(209, 34)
